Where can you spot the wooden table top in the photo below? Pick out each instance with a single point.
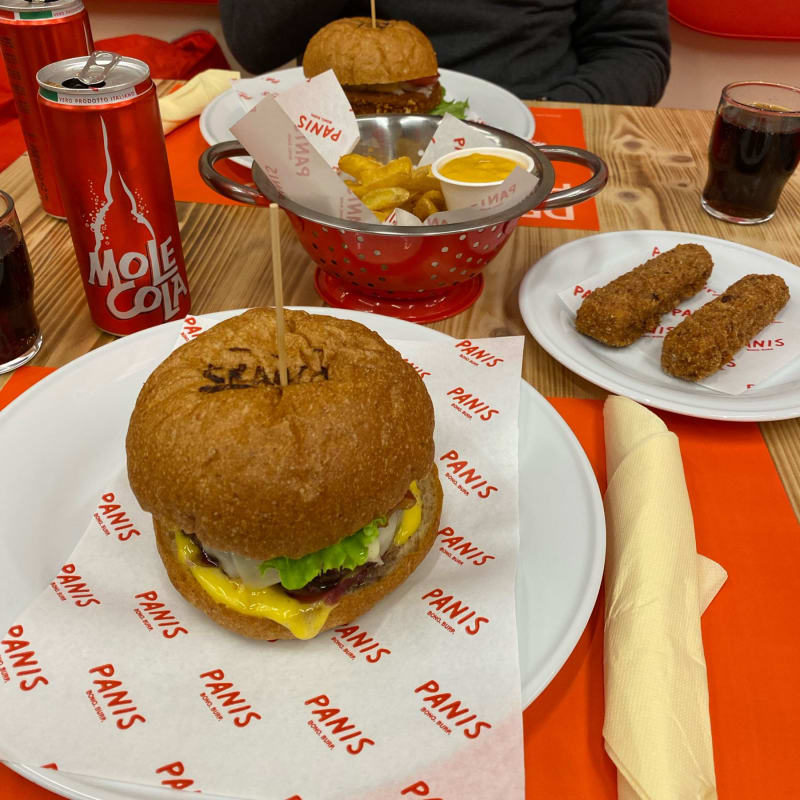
(657, 165)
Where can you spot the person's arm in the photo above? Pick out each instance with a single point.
(263, 34)
(623, 48)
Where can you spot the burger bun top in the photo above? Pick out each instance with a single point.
(392, 51)
(218, 448)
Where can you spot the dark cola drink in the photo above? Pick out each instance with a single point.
(20, 338)
(752, 153)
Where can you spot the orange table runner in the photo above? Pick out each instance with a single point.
(553, 126)
(744, 521)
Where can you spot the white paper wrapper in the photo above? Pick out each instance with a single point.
(111, 673)
(320, 109)
(774, 347)
(250, 91)
(293, 163)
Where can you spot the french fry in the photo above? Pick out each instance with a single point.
(436, 197)
(354, 164)
(398, 167)
(423, 180)
(397, 184)
(383, 182)
(423, 208)
(386, 198)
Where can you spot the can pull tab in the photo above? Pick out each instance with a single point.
(95, 71)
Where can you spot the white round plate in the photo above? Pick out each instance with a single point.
(68, 431)
(552, 325)
(488, 103)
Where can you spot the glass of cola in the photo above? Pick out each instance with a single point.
(754, 148)
(20, 337)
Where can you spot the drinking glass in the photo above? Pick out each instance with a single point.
(754, 148)
(20, 337)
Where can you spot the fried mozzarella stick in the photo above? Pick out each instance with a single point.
(618, 313)
(705, 342)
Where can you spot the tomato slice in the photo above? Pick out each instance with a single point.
(424, 81)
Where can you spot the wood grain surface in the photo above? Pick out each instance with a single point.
(657, 165)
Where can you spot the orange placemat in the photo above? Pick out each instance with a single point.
(743, 519)
(184, 147)
(563, 126)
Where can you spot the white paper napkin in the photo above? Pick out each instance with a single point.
(657, 729)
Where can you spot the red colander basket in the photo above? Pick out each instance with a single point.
(419, 273)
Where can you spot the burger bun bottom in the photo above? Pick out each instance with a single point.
(398, 564)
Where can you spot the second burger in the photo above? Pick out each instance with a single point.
(387, 69)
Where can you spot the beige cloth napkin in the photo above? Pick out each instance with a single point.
(188, 101)
(657, 729)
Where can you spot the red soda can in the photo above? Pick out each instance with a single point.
(34, 33)
(103, 125)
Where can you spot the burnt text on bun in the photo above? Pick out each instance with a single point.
(300, 492)
(389, 68)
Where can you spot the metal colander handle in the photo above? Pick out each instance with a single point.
(228, 187)
(583, 191)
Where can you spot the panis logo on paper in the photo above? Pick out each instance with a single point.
(448, 712)
(320, 127)
(498, 197)
(68, 582)
(225, 695)
(477, 355)
(449, 608)
(352, 640)
(302, 156)
(461, 550)
(464, 476)
(337, 726)
(21, 659)
(110, 697)
(113, 519)
(418, 369)
(760, 345)
(470, 405)
(579, 291)
(173, 775)
(152, 612)
(419, 789)
(191, 329)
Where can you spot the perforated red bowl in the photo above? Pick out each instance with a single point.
(420, 273)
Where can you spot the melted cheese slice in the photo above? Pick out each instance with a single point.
(304, 620)
(411, 518)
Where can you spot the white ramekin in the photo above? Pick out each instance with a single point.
(462, 194)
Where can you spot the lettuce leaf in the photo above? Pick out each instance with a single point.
(458, 108)
(347, 553)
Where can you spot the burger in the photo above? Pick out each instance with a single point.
(387, 69)
(284, 510)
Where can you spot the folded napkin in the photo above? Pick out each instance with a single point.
(657, 729)
(188, 101)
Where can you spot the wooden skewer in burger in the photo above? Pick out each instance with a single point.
(281, 510)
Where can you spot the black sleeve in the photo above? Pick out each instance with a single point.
(623, 50)
(263, 34)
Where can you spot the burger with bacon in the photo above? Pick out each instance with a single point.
(284, 510)
(387, 69)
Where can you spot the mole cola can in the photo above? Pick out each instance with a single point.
(34, 33)
(104, 128)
